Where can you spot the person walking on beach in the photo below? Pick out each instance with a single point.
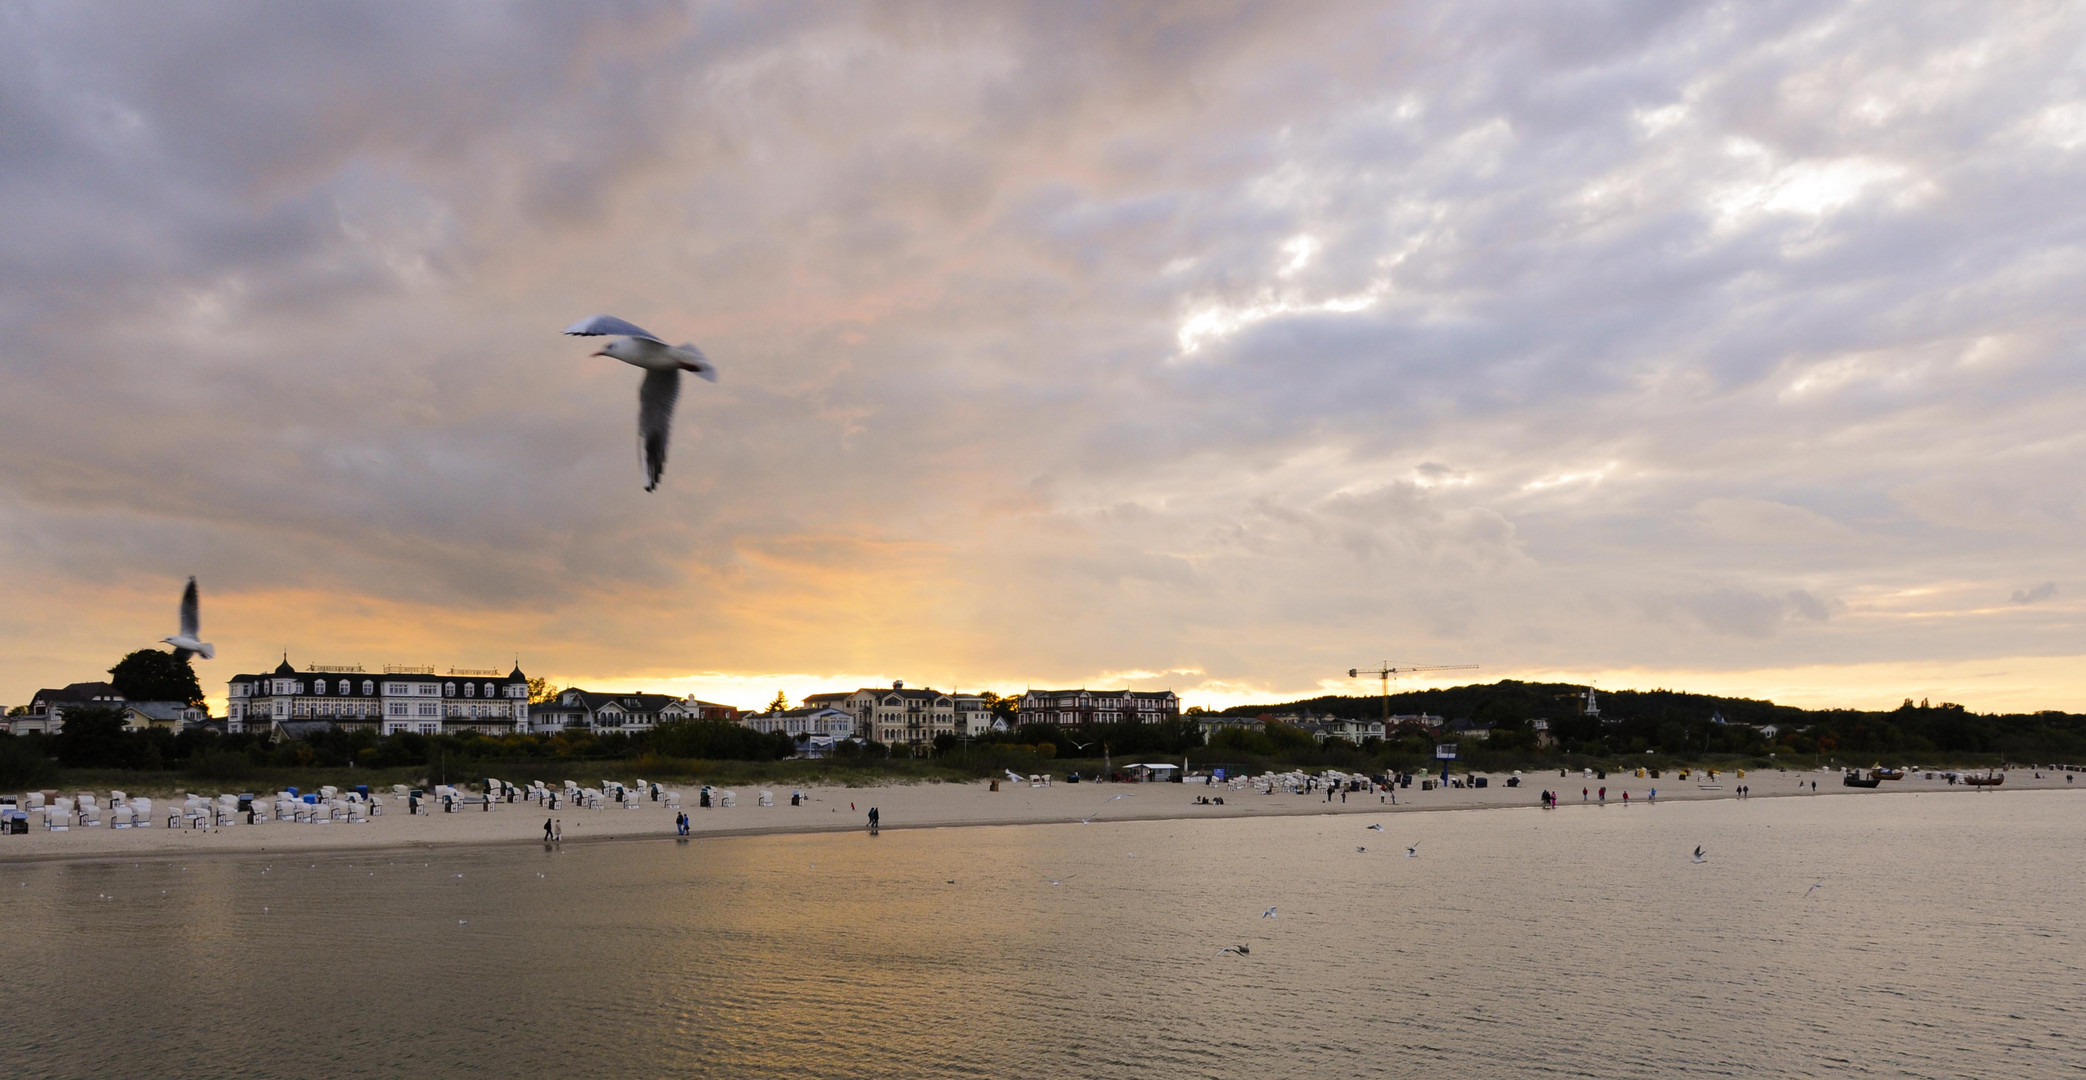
(1582, 794)
(546, 830)
(1626, 798)
(1604, 794)
(558, 833)
(1654, 795)
(873, 821)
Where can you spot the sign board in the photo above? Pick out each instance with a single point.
(1217, 773)
(1445, 751)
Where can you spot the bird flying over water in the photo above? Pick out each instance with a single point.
(186, 643)
(1241, 950)
(663, 366)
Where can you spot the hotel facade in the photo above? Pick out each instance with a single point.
(1078, 708)
(399, 699)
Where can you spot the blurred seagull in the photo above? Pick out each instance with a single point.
(1815, 886)
(1268, 914)
(1699, 856)
(1089, 819)
(663, 366)
(186, 643)
(1413, 852)
(1378, 827)
(1242, 950)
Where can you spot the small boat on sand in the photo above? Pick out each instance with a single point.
(1856, 779)
(1882, 773)
(1987, 780)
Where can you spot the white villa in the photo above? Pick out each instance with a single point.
(411, 699)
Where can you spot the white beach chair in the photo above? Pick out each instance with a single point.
(59, 820)
(727, 798)
(767, 798)
(356, 815)
(144, 813)
(400, 791)
(672, 799)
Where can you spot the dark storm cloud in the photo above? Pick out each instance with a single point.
(1219, 338)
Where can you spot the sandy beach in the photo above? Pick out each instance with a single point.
(931, 805)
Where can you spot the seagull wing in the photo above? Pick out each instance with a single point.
(655, 418)
(694, 360)
(191, 621)
(610, 326)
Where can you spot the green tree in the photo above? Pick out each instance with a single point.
(152, 675)
(22, 764)
(93, 737)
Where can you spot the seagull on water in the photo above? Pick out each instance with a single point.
(1699, 856)
(663, 366)
(187, 643)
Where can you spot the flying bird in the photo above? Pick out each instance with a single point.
(1089, 819)
(1699, 856)
(663, 366)
(1413, 852)
(1242, 950)
(187, 643)
(1815, 886)
(1376, 828)
(1268, 914)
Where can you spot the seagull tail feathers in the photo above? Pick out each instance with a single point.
(207, 651)
(700, 365)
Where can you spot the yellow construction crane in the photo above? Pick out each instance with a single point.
(1388, 671)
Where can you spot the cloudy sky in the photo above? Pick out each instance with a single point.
(1219, 347)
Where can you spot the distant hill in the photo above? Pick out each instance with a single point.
(1675, 721)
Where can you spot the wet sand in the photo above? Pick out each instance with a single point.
(926, 805)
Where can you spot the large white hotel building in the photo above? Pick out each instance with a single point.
(413, 699)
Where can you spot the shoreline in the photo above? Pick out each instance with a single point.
(902, 807)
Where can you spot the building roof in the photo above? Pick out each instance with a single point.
(594, 701)
(1141, 694)
(78, 693)
(805, 713)
(160, 710)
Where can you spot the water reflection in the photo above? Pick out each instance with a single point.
(1521, 943)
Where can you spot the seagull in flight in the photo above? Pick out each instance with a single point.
(1815, 886)
(663, 366)
(1241, 950)
(1268, 914)
(1378, 827)
(1089, 819)
(1699, 856)
(1413, 852)
(187, 643)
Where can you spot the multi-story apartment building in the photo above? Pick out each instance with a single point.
(46, 711)
(902, 717)
(400, 699)
(604, 713)
(811, 720)
(1077, 708)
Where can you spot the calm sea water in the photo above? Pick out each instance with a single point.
(1945, 942)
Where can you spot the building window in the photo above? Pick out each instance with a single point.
(470, 689)
(368, 687)
(488, 689)
(448, 689)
